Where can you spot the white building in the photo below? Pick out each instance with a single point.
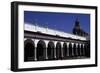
(42, 43)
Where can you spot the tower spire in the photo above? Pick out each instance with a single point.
(77, 24)
(77, 28)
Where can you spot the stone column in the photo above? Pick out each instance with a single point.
(72, 49)
(67, 49)
(76, 49)
(62, 49)
(35, 51)
(55, 50)
(80, 50)
(46, 50)
(83, 50)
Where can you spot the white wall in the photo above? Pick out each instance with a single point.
(5, 36)
(34, 28)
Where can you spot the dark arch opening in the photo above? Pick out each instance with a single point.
(82, 50)
(78, 49)
(50, 50)
(74, 50)
(85, 47)
(41, 50)
(58, 50)
(87, 50)
(65, 50)
(29, 47)
(88, 45)
(70, 49)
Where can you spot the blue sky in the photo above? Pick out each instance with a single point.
(59, 21)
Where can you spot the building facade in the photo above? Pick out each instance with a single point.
(42, 43)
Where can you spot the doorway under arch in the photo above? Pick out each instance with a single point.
(70, 50)
(74, 50)
(29, 50)
(65, 50)
(41, 50)
(50, 50)
(58, 50)
(78, 49)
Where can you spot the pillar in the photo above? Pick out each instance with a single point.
(62, 49)
(46, 55)
(35, 52)
(76, 49)
(72, 49)
(55, 42)
(67, 48)
(80, 50)
(83, 50)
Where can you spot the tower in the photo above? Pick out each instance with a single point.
(77, 29)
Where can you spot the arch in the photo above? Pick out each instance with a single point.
(65, 50)
(87, 50)
(78, 49)
(41, 50)
(29, 50)
(70, 49)
(74, 50)
(58, 50)
(82, 50)
(88, 46)
(85, 46)
(50, 50)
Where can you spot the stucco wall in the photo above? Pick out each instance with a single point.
(36, 28)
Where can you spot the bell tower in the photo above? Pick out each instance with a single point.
(77, 28)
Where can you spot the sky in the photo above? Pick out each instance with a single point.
(59, 21)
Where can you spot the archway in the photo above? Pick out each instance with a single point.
(88, 46)
(65, 50)
(29, 48)
(70, 49)
(82, 50)
(87, 50)
(41, 50)
(74, 50)
(50, 50)
(78, 49)
(58, 50)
